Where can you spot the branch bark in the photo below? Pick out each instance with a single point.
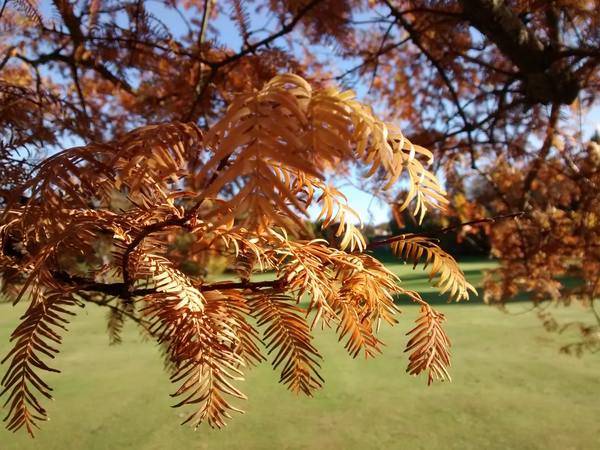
(546, 80)
(121, 290)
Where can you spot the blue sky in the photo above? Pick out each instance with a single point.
(370, 209)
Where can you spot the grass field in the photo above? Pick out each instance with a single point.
(511, 389)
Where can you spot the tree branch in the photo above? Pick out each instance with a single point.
(203, 82)
(542, 154)
(121, 290)
(250, 285)
(416, 39)
(286, 28)
(436, 233)
(545, 81)
(89, 299)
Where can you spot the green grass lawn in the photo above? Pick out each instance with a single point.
(511, 389)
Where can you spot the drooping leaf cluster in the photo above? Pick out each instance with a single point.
(240, 190)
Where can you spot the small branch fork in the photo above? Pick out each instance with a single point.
(214, 66)
(89, 298)
(122, 289)
(174, 222)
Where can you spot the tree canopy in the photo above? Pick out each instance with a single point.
(187, 126)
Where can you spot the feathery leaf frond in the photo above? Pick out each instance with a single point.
(287, 336)
(451, 277)
(36, 337)
(163, 200)
(428, 346)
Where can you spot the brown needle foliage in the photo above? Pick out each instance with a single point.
(241, 190)
(552, 253)
(495, 90)
(499, 91)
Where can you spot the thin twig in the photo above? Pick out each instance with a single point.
(401, 237)
(89, 299)
(3, 7)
